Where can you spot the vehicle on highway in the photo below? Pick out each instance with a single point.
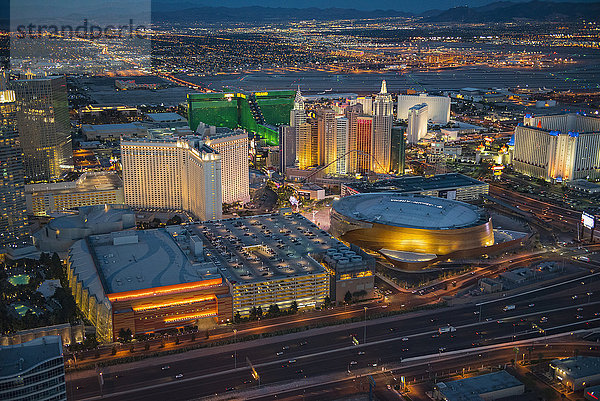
(447, 329)
(404, 338)
(286, 347)
(374, 365)
(544, 319)
(292, 361)
(179, 376)
(442, 349)
(361, 352)
(166, 367)
(579, 309)
(230, 389)
(574, 297)
(509, 307)
(353, 362)
(280, 353)
(531, 305)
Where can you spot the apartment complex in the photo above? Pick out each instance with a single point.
(13, 219)
(174, 174)
(559, 148)
(91, 188)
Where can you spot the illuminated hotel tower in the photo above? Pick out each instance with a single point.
(326, 138)
(13, 218)
(383, 117)
(417, 123)
(352, 113)
(235, 175)
(44, 127)
(342, 128)
(304, 149)
(173, 174)
(297, 117)
(364, 140)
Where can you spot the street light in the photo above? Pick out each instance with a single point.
(365, 327)
(235, 348)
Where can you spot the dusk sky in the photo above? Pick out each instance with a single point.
(402, 5)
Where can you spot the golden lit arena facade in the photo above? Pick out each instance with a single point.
(407, 226)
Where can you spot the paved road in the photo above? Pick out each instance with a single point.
(330, 349)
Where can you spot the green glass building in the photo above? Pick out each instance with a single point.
(259, 112)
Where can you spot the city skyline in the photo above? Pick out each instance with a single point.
(347, 201)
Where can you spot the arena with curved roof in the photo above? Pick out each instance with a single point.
(391, 223)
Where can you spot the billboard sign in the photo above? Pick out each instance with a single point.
(587, 220)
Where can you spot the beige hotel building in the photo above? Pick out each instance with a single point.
(173, 174)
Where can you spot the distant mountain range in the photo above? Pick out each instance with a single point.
(502, 11)
(264, 14)
(506, 11)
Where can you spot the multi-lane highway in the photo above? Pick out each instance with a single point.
(330, 350)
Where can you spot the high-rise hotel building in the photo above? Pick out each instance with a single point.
(174, 174)
(235, 175)
(383, 117)
(417, 123)
(13, 217)
(439, 106)
(44, 127)
(558, 147)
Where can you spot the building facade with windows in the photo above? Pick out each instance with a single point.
(558, 148)
(33, 370)
(13, 218)
(235, 175)
(91, 188)
(439, 106)
(44, 127)
(173, 174)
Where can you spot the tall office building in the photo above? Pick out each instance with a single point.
(364, 141)
(33, 370)
(287, 147)
(316, 146)
(439, 106)
(174, 174)
(342, 129)
(326, 137)
(13, 217)
(367, 104)
(383, 117)
(417, 123)
(235, 174)
(44, 127)
(558, 147)
(352, 113)
(398, 157)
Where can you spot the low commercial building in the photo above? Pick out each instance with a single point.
(351, 270)
(450, 186)
(576, 372)
(488, 387)
(91, 188)
(67, 333)
(62, 232)
(146, 281)
(33, 371)
(112, 132)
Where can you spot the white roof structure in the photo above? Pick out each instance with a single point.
(412, 211)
